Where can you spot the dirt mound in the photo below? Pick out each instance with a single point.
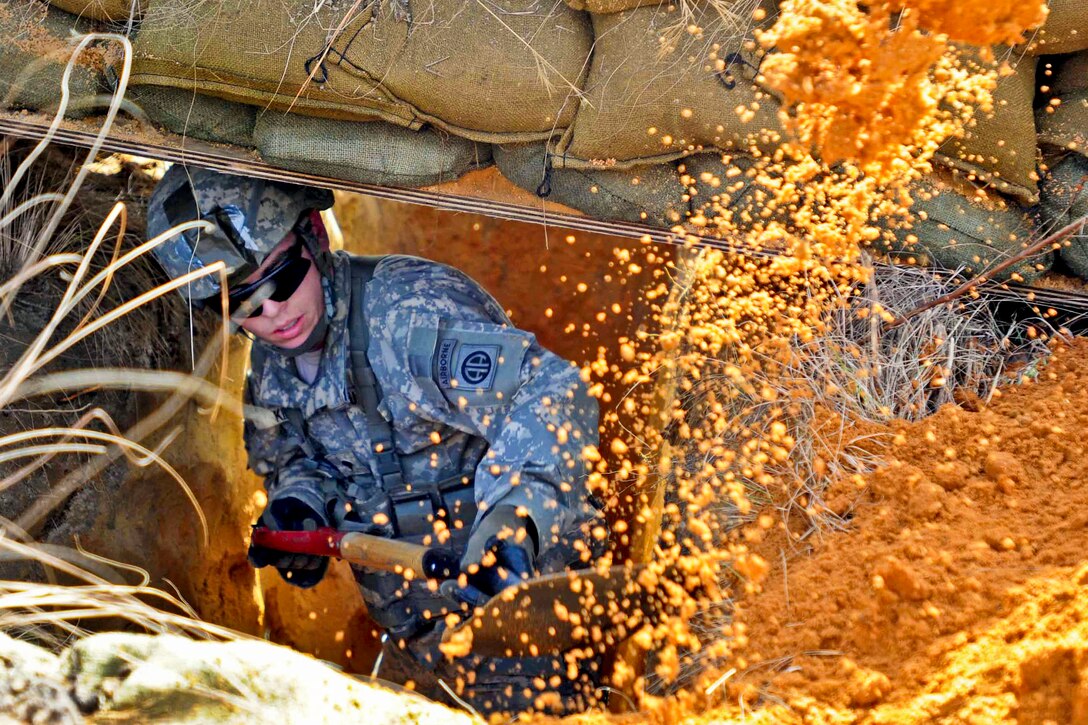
(958, 592)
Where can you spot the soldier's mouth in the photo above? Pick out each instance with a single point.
(291, 329)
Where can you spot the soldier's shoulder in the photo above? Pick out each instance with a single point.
(404, 269)
(405, 284)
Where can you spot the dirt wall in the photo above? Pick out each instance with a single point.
(958, 594)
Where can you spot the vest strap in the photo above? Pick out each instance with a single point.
(367, 391)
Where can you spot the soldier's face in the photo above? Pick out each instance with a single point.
(287, 324)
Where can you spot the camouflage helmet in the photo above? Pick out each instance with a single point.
(251, 216)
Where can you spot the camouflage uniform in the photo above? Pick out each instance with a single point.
(475, 405)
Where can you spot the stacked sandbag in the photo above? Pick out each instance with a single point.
(1065, 200)
(955, 225)
(196, 115)
(725, 189)
(369, 152)
(609, 6)
(1063, 116)
(631, 110)
(1063, 136)
(113, 11)
(33, 56)
(999, 148)
(1065, 29)
(650, 195)
(493, 72)
(668, 81)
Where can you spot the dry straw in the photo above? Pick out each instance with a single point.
(52, 613)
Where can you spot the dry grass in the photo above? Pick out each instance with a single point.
(40, 249)
(859, 370)
(74, 301)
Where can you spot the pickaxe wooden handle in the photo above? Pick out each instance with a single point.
(366, 550)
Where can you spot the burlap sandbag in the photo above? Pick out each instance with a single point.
(33, 55)
(1065, 200)
(647, 105)
(370, 152)
(651, 195)
(1065, 29)
(195, 115)
(109, 10)
(492, 71)
(999, 148)
(1065, 123)
(955, 228)
(723, 189)
(609, 6)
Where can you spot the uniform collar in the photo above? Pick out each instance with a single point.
(277, 384)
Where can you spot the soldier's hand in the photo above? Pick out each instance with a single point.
(499, 554)
(287, 512)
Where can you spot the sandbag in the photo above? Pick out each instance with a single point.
(1064, 200)
(999, 148)
(723, 189)
(1065, 29)
(195, 115)
(494, 71)
(369, 152)
(651, 195)
(33, 55)
(107, 10)
(952, 226)
(1065, 124)
(648, 103)
(609, 6)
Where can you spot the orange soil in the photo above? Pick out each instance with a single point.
(958, 594)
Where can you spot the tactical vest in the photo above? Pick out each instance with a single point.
(389, 506)
(405, 609)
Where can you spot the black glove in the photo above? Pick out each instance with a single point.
(499, 554)
(294, 508)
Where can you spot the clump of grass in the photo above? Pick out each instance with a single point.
(858, 371)
(71, 292)
(48, 252)
(51, 614)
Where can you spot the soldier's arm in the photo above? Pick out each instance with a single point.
(296, 497)
(280, 458)
(536, 459)
(445, 350)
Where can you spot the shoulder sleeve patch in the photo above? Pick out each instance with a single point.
(479, 364)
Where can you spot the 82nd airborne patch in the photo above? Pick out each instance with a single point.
(476, 366)
(467, 366)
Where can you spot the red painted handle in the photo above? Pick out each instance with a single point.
(321, 542)
(375, 552)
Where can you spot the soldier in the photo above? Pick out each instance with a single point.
(407, 406)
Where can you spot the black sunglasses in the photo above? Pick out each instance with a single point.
(285, 275)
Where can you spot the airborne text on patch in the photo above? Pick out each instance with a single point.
(445, 359)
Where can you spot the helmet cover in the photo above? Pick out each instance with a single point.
(251, 216)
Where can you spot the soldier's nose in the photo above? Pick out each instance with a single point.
(271, 308)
